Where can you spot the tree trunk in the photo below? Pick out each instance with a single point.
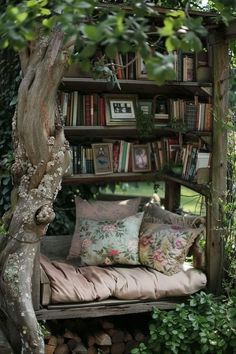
(41, 157)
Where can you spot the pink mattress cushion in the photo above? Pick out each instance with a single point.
(100, 210)
(71, 284)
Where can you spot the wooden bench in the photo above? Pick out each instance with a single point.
(52, 246)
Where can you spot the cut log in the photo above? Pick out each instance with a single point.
(62, 349)
(139, 336)
(127, 336)
(118, 348)
(117, 335)
(49, 349)
(72, 343)
(91, 340)
(92, 350)
(107, 324)
(80, 349)
(102, 338)
(52, 341)
(105, 349)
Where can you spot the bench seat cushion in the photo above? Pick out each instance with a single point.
(70, 284)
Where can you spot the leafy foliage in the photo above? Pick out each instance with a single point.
(202, 325)
(93, 24)
(9, 74)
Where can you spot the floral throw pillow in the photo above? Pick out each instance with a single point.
(164, 247)
(100, 210)
(110, 242)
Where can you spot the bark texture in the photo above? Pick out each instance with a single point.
(41, 158)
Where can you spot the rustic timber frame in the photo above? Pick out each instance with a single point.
(218, 40)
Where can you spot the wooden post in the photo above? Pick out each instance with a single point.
(172, 195)
(214, 249)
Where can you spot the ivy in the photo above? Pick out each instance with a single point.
(204, 324)
(9, 81)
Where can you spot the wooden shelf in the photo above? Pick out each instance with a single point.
(123, 131)
(133, 177)
(90, 178)
(144, 87)
(112, 132)
(199, 188)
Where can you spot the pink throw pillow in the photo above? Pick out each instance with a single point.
(100, 210)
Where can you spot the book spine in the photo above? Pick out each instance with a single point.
(87, 110)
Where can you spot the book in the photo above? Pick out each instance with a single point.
(208, 117)
(190, 115)
(188, 67)
(116, 155)
(74, 108)
(87, 110)
(101, 111)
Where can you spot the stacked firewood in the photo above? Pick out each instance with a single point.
(97, 336)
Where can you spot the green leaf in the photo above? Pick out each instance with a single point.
(38, 3)
(48, 22)
(120, 23)
(4, 43)
(176, 13)
(88, 51)
(167, 30)
(192, 42)
(45, 12)
(111, 51)
(172, 43)
(21, 17)
(92, 32)
(84, 5)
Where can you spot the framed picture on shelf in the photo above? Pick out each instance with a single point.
(120, 109)
(161, 110)
(141, 161)
(141, 72)
(102, 158)
(145, 107)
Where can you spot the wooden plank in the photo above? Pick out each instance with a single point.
(214, 246)
(90, 178)
(182, 89)
(45, 288)
(172, 195)
(99, 309)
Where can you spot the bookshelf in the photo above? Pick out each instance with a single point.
(207, 88)
(178, 95)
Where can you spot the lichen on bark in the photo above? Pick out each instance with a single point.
(42, 156)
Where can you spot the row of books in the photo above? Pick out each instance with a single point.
(131, 66)
(117, 157)
(122, 156)
(195, 115)
(77, 109)
(90, 110)
(194, 159)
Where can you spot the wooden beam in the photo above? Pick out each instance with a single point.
(214, 249)
(172, 195)
(103, 308)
